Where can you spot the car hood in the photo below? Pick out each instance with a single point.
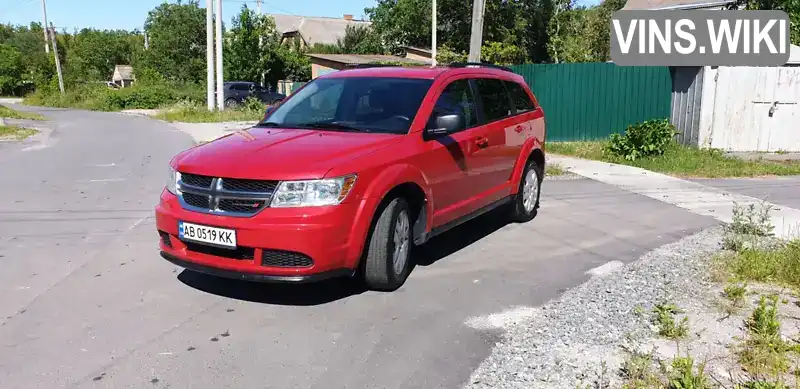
(279, 153)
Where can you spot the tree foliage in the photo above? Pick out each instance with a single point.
(791, 7)
(177, 41)
(581, 34)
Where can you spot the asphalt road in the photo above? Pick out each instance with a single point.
(85, 300)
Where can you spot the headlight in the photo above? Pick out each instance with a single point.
(312, 193)
(172, 181)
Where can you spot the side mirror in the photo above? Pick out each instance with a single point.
(447, 124)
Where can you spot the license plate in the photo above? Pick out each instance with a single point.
(209, 235)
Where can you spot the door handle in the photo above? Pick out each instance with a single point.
(482, 142)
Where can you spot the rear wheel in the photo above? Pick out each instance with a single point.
(387, 261)
(526, 202)
(231, 103)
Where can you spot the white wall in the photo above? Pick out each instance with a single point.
(750, 109)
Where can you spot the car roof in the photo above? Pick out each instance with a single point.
(421, 72)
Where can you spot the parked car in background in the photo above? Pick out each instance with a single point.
(236, 92)
(352, 171)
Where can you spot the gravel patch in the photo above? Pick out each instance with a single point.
(567, 342)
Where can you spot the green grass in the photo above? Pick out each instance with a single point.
(15, 133)
(681, 161)
(780, 266)
(9, 113)
(200, 114)
(553, 169)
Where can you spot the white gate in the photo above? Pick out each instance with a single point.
(755, 108)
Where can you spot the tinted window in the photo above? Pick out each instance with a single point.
(456, 98)
(370, 104)
(522, 102)
(239, 87)
(494, 97)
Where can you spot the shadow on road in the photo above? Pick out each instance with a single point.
(327, 291)
(460, 237)
(278, 294)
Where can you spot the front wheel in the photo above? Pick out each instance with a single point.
(526, 202)
(387, 262)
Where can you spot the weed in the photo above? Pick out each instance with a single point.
(735, 293)
(639, 373)
(646, 139)
(684, 375)
(193, 113)
(765, 352)
(761, 385)
(664, 319)
(553, 169)
(749, 221)
(780, 265)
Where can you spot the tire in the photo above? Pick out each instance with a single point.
(380, 272)
(231, 102)
(521, 209)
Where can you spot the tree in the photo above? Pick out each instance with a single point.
(92, 54)
(11, 70)
(791, 7)
(177, 34)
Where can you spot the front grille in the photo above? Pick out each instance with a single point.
(196, 200)
(225, 196)
(240, 253)
(196, 180)
(238, 185)
(278, 258)
(165, 239)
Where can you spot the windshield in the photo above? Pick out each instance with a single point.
(368, 104)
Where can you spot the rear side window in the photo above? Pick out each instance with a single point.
(522, 102)
(496, 104)
(456, 98)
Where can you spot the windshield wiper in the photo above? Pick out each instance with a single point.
(333, 126)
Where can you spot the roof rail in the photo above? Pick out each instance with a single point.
(479, 64)
(368, 65)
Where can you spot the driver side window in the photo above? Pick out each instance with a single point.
(456, 98)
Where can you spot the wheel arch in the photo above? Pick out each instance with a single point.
(531, 150)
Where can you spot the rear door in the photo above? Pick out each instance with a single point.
(492, 161)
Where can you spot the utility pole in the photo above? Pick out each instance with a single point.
(433, 34)
(210, 54)
(220, 87)
(46, 33)
(52, 30)
(476, 39)
(261, 38)
(146, 41)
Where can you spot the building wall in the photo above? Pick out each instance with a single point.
(321, 67)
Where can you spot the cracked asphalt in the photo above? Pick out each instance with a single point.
(86, 301)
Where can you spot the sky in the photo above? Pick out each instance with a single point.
(130, 14)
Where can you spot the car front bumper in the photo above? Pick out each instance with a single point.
(326, 241)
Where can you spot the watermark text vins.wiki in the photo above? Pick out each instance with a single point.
(700, 38)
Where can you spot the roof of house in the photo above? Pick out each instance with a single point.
(356, 59)
(424, 50)
(123, 72)
(675, 4)
(314, 29)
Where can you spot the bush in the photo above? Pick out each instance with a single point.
(99, 97)
(649, 138)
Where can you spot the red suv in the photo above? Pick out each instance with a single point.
(351, 171)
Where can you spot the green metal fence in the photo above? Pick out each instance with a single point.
(587, 101)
